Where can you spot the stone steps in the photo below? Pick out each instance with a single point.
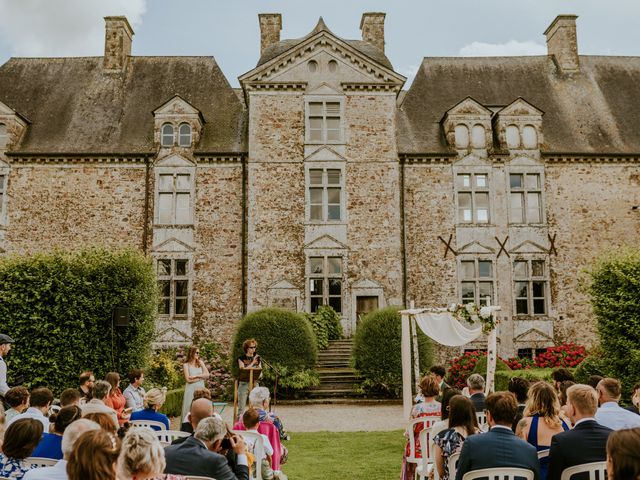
(337, 378)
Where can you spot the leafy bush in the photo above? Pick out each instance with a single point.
(568, 355)
(220, 383)
(462, 367)
(173, 403)
(377, 351)
(481, 365)
(286, 341)
(320, 330)
(615, 297)
(326, 325)
(520, 363)
(533, 375)
(58, 306)
(594, 364)
(164, 370)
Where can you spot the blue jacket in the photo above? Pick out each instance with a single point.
(191, 457)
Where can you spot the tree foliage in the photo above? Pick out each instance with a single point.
(615, 298)
(377, 351)
(58, 307)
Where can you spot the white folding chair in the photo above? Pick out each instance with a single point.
(37, 462)
(258, 451)
(502, 473)
(543, 453)
(412, 457)
(453, 464)
(168, 436)
(482, 421)
(148, 424)
(197, 477)
(596, 471)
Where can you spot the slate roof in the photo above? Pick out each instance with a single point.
(594, 111)
(363, 47)
(74, 107)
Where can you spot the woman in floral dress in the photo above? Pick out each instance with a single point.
(428, 407)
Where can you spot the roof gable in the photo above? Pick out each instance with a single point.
(469, 107)
(177, 105)
(520, 108)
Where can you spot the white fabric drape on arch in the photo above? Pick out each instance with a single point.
(445, 329)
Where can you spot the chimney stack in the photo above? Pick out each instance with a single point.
(270, 26)
(562, 43)
(117, 43)
(372, 26)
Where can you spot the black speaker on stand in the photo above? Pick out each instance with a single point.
(119, 319)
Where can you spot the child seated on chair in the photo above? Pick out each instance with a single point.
(251, 420)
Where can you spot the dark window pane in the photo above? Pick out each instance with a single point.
(181, 306)
(182, 288)
(336, 303)
(315, 286)
(315, 303)
(315, 264)
(522, 289)
(315, 196)
(316, 212)
(335, 264)
(486, 290)
(538, 306)
(468, 292)
(181, 267)
(521, 307)
(164, 267)
(537, 267)
(515, 180)
(468, 270)
(333, 212)
(163, 307)
(315, 177)
(484, 269)
(333, 177)
(538, 289)
(335, 286)
(333, 195)
(520, 269)
(165, 288)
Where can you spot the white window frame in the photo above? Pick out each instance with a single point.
(172, 279)
(189, 135)
(530, 279)
(324, 99)
(472, 190)
(325, 167)
(325, 277)
(524, 192)
(478, 299)
(162, 135)
(173, 171)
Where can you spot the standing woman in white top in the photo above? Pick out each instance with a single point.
(195, 373)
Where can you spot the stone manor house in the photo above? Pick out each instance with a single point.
(325, 179)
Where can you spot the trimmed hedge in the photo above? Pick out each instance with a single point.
(481, 366)
(286, 341)
(377, 351)
(533, 375)
(173, 403)
(58, 307)
(615, 297)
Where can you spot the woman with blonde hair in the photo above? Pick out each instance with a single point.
(142, 457)
(542, 404)
(195, 373)
(94, 456)
(153, 401)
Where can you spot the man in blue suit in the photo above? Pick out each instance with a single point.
(587, 442)
(499, 447)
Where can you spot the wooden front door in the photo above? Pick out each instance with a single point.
(365, 305)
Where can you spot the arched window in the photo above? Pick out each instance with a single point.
(3, 135)
(313, 66)
(333, 66)
(462, 136)
(478, 138)
(184, 135)
(167, 135)
(529, 137)
(513, 136)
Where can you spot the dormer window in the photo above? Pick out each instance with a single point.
(167, 135)
(461, 133)
(184, 137)
(512, 134)
(478, 137)
(3, 135)
(529, 137)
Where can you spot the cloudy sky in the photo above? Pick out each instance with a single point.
(228, 30)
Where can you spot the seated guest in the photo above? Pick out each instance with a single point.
(479, 451)
(428, 407)
(142, 457)
(94, 456)
(134, 393)
(610, 414)
(587, 441)
(115, 399)
(562, 396)
(69, 396)
(20, 439)
(87, 379)
(103, 420)
(200, 454)
(542, 420)
(594, 380)
(40, 401)
(201, 408)
(635, 399)
(97, 404)
(475, 382)
(259, 399)
(50, 445)
(18, 400)
(520, 388)
(623, 461)
(153, 401)
(199, 393)
(59, 470)
(462, 423)
(559, 375)
(251, 420)
(443, 424)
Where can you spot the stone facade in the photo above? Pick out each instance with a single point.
(323, 182)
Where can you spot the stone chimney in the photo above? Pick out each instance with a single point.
(562, 43)
(117, 43)
(372, 26)
(270, 26)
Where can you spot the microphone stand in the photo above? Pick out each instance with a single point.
(275, 387)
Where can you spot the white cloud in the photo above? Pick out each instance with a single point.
(409, 72)
(62, 27)
(509, 49)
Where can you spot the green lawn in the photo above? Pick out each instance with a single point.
(345, 455)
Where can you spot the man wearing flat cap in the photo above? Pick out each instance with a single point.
(5, 346)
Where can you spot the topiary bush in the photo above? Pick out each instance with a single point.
(286, 341)
(615, 298)
(58, 307)
(377, 351)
